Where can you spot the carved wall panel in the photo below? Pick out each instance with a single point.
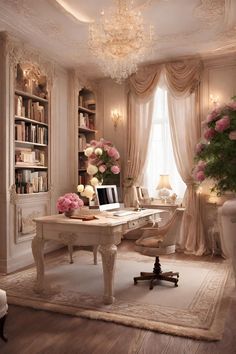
(25, 213)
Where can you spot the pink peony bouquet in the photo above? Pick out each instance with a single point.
(103, 160)
(69, 202)
(216, 154)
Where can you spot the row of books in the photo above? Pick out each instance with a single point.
(28, 181)
(83, 179)
(85, 121)
(82, 142)
(30, 109)
(30, 132)
(24, 156)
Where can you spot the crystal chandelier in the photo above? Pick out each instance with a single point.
(120, 40)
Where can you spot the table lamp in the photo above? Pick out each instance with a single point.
(164, 187)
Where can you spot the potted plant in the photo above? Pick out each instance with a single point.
(216, 159)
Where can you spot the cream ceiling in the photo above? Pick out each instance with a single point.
(59, 28)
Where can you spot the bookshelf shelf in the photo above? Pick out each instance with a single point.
(36, 167)
(86, 129)
(25, 119)
(29, 95)
(31, 120)
(29, 143)
(86, 110)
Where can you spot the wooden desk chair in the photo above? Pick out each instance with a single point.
(156, 241)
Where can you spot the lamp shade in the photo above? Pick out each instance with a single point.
(164, 182)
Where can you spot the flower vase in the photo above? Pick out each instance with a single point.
(227, 215)
(69, 213)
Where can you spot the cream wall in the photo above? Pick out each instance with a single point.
(219, 79)
(110, 96)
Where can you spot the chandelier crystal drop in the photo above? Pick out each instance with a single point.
(120, 40)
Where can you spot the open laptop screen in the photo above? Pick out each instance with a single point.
(107, 197)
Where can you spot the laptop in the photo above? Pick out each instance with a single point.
(107, 197)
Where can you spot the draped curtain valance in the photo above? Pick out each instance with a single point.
(182, 78)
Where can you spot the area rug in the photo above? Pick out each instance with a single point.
(197, 308)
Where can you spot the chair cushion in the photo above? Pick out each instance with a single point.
(3, 303)
(150, 242)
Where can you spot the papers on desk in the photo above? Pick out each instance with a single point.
(84, 217)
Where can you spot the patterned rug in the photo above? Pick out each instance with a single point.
(197, 308)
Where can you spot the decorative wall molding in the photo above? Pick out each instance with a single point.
(21, 52)
(13, 194)
(210, 11)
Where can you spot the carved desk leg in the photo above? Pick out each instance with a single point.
(108, 253)
(70, 249)
(95, 254)
(37, 250)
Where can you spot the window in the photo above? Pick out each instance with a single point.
(160, 153)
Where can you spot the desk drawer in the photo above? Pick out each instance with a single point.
(134, 224)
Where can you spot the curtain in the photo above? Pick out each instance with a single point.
(185, 133)
(139, 126)
(182, 79)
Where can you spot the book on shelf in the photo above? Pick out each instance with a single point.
(24, 156)
(28, 181)
(82, 142)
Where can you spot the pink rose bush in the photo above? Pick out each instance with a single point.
(103, 159)
(68, 202)
(216, 153)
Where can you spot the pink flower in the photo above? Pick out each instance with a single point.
(232, 105)
(69, 201)
(200, 176)
(209, 133)
(112, 152)
(201, 165)
(200, 147)
(102, 168)
(222, 124)
(212, 116)
(115, 169)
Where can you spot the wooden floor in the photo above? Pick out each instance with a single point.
(32, 331)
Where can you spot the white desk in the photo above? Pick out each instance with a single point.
(105, 232)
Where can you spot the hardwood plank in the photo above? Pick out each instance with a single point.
(40, 332)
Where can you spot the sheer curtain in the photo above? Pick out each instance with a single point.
(160, 151)
(139, 126)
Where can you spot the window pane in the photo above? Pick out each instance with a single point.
(160, 152)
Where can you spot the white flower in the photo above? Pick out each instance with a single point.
(88, 151)
(88, 192)
(80, 188)
(98, 151)
(94, 181)
(91, 169)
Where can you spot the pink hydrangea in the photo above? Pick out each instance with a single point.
(69, 201)
(209, 133)
(212, 116)
(201, 165)
(200, 176)
(115, 169)
(232, 105)
(200, 147)
(222, 124)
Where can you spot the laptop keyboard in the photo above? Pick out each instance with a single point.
(123, 212)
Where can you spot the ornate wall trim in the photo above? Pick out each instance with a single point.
(21, 52)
